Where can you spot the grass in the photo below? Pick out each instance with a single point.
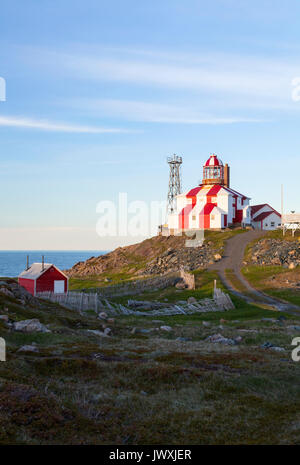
(149, 388)
(259, 277)
(218, 238)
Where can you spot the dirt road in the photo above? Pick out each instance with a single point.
(232, 260)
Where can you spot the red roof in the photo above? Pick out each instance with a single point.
(208, 208)
(214, 190)
(264, 215)
(256, 208)
(214, 161)
(194, 191)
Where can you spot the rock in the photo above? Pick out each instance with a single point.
(6, 291)
(107, 331)
(111, 321)
(269, 345)
(166, 328)
(97, 332)
(183, 339)
(278, 349)
(248, 330)
(28, 348)
(238, 339)
(222, 321)
(4, 318)
(217, 257)
(191, 300)
(205, 323)
(102, 315)
(219, 339)
(180, 285)
(266, 345)
(30, 326)
(292, 266)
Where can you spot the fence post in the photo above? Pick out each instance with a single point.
(81, 301)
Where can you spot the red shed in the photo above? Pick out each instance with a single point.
(41, 277)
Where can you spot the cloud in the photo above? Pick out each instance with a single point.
(153, 112)
(221, 73)
(21, 122)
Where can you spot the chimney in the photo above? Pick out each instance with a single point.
(27, 263)
(227, 176)
(43, 264)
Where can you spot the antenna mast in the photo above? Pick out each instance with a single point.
(174, 163)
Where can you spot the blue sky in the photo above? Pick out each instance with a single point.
(99, 93)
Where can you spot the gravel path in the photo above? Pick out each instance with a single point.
(233, 258)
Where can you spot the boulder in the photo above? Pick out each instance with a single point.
(28, 348)
(97, 332)
(30, 326)
(180, 285)
(166, 328)
(219, 339)
(6, 291)
(102, 315)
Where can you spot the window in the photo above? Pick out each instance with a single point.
(194, 218)
(266, 224)
(272, 224)
(212, 217)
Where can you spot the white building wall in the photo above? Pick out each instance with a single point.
(247, 215)
(216, 219)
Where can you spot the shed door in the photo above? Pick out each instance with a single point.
(59, 287)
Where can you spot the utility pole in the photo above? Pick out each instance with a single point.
(282, 209)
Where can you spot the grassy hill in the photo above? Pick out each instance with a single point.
(147, 387)
(151, 256)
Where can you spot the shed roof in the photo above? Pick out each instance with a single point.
(264, 215)
(36, 270)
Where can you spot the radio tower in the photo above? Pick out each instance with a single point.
(174, 163)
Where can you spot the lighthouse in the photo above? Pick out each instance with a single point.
(213, 204)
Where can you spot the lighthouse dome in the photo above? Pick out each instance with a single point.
(214, 161)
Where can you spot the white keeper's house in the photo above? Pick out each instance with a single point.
(215, 205)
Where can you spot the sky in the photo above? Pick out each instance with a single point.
(99, 93)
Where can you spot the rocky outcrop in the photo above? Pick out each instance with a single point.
(276, 252)
(10, 288)
(187, 258)
(155, 256)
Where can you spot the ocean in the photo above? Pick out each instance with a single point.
(13, 262)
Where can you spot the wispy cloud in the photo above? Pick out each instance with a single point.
(21, 122)
(154, 112)
(214, 72)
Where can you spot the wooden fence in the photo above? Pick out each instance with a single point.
(92, 301)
